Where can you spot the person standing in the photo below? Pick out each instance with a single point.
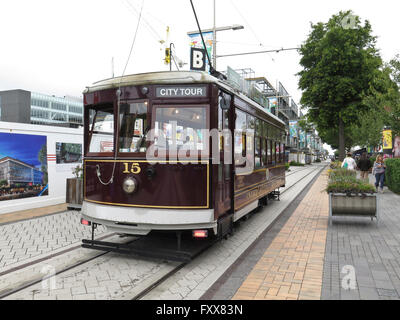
(349, 163)
(379, 172)
(364, 164)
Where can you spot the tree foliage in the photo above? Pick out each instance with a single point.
(339, 65)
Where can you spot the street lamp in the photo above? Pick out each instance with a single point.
(214, 31)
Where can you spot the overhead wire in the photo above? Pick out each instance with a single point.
(251, 28)
(119, 100)
(148, 25)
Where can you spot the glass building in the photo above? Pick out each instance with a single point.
(50, 110)
(13, 171)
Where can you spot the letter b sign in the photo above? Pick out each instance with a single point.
(198, 59)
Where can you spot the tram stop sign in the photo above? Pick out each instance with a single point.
(198, 59)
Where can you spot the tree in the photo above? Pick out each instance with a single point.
(391, 99)
(42, 156)
(339, 63)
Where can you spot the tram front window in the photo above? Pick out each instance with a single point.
(133, 127)
(181, 127)
(101, 130)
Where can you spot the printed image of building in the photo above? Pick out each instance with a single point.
(30, 107)
(16, 172)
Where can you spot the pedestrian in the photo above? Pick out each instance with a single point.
(379, 172)
(364, 164)
(349, 163)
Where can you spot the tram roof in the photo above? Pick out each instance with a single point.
(170, 77)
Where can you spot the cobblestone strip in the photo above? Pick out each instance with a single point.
(292, 266)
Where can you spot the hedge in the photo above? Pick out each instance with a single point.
(296, 164)
(392, 174)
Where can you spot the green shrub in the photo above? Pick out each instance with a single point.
(342, 174)
(345, 181)
(372, 159)
(392, 174)
(296, 164)
(335, 164)
(318, 160)
(287, 165)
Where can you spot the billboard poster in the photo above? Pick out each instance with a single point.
(23, 166)
(308, 140)
(273, 102)
(387, 139)
(68, 152)
(196, 42)
(293, 129)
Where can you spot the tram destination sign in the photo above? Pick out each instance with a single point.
(181, 92)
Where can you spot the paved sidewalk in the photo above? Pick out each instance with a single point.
(292, 266)
(302, 257)
(31, 213)
(358, 247)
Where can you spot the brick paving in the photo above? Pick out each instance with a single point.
(292, 266)
(23, 240)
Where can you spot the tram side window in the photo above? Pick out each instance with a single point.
(250, 135)
(257, 151)
(263, 143)
(240, 137)
(278, 152)
(133, 127)
(264, 161)
(273, 148)
(101, 129)
(269, 151)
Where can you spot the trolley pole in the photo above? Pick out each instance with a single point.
(215, 39)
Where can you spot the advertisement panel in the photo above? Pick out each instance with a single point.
(293, 129)
(387, 139)
(23, 166)
(196, 42)
(68, 152)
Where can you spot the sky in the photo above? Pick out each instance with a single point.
(60, 47)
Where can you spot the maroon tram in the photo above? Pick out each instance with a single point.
(179, 185)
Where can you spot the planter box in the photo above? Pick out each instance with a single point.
(74, 196)
(340, 204)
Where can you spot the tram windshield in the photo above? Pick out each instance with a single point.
(133, 127)
(101, 129)
(180, 126)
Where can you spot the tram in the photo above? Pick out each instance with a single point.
(149, 164)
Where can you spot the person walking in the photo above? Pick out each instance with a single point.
(379, 172)
(349, 163)
(364, 164)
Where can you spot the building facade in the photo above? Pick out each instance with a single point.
(30, 107)
(15, 172)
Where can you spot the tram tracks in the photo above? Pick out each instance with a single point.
(147, 287)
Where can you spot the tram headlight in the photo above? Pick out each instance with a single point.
(129, 185)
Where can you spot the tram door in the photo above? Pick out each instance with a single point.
(225, 149)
